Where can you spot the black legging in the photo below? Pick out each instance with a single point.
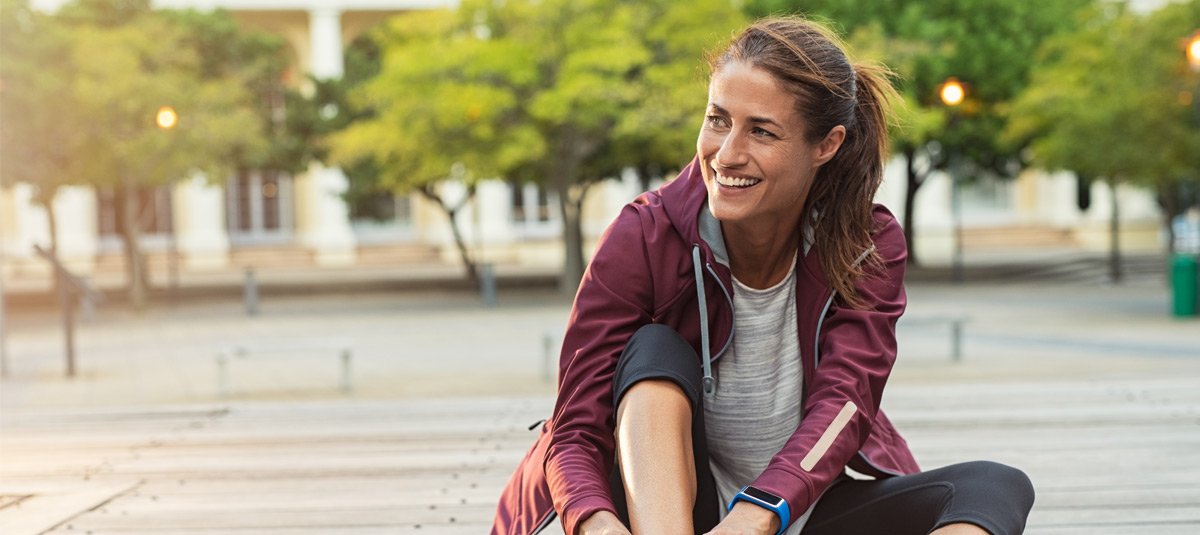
(990, 495)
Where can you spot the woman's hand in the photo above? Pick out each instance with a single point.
(602, 523)
(748, 519)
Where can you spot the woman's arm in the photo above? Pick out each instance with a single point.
(614, 300)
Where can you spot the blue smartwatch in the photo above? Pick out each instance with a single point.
(766, 500)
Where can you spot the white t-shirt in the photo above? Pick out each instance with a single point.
(756, 406)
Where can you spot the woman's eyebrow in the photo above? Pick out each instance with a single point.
(756, 120)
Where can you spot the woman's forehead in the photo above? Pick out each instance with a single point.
(739, 88)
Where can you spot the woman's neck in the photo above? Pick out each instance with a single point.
(760, 259)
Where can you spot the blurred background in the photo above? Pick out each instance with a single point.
(308, 262)
(173, 145)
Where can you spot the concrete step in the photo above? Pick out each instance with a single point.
(1028, 236)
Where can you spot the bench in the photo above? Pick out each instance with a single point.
(342, 348)
(955, 323)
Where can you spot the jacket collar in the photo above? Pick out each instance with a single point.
(686, 202)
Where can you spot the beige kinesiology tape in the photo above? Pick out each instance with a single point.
(831, 433)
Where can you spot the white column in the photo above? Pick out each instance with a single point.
(75, 208)
(199, 219)
(495, 212)
(323, 219)
(325, 38)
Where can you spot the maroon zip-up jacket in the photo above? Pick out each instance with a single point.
(643, 272)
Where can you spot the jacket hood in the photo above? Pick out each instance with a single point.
(683, 198)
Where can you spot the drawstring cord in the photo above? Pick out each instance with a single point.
(710, 383)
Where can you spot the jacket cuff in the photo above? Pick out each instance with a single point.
(577, 511)
(798, 492)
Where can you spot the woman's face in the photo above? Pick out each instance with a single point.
(755, 160)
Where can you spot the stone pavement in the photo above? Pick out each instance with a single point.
(1092, 387)
(442, 342)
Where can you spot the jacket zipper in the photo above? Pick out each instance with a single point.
(550, 516)
(728, 299)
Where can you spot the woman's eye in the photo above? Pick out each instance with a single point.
(715, 120)
(762, 133)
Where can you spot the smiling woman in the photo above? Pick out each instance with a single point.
(732, 337)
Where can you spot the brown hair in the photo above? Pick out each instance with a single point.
(809, 60)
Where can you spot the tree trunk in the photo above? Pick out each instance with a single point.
(571, 207)
(1114, 228)
(135, 260)
(915, 180)
(47, 202)
(1168, 200)
(452, 214)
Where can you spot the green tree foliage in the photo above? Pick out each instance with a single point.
(562, 93)
(40, 133)
(85, 86)
(1116, 101)
(987, 44)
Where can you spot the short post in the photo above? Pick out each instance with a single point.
(487, 284)
(68, 313)
(222, 375)
(250, 293)
(956, 329)
(346, 370)
(547, 356)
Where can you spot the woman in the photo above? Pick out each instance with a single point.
(730, 342)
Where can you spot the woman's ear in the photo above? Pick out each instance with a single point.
(828, 147)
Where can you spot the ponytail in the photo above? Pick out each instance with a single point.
(844, 190)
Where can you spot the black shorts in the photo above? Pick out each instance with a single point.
(990, 495)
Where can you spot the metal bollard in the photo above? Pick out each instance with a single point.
(250, 293)
(547, 357)
(346, 386)
(487, 285)
(222, 375)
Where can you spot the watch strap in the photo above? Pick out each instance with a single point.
(779, 505)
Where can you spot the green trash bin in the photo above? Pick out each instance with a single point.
(1184, 282)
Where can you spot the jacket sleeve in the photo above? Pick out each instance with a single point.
(614, 300)
(857, 351)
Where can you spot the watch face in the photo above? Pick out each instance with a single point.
(763, 495)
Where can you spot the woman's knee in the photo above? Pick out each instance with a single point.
(657, 353)
(1000, 477)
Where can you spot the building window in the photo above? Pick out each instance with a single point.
(152, 210)
(259, 207)
(530, 204)
(381, 207)
(533, 213)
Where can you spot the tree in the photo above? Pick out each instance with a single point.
(126, 68)
(441, 107)
(985, 43)
(40, 132)
(1105, 102)
(561, 93)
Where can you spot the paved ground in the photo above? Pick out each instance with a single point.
(444, 343)
(1092, 386)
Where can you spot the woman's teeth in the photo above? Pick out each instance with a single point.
(735, 182)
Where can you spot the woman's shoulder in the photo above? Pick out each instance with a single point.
(888, 235)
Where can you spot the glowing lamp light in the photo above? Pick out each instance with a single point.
(952, 92)
(1193, 50)
(166, 118)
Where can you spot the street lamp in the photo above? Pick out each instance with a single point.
(1193, 50)
(166, 119)
(952, 92)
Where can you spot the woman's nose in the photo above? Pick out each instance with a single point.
(732, 152)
